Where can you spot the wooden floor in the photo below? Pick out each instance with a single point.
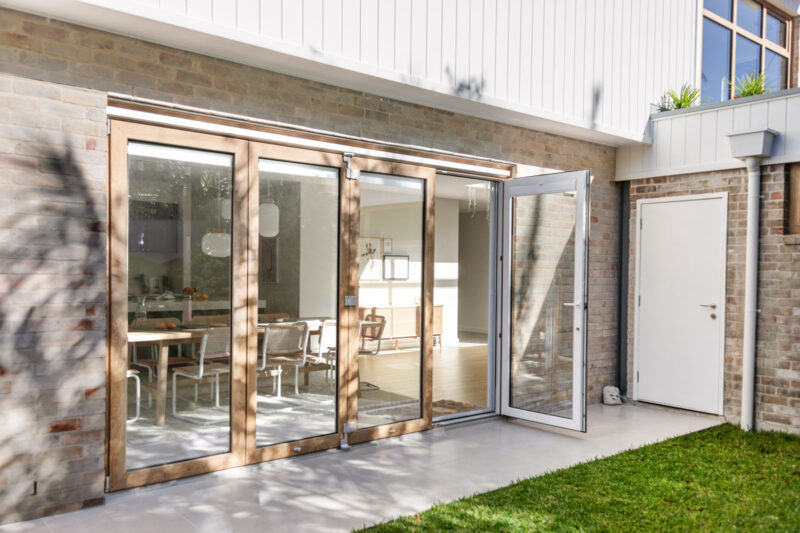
(459, 373)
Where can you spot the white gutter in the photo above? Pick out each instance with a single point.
(752, 147)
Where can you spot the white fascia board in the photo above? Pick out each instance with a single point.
(138, 20)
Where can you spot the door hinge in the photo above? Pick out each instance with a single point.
(640, 300)
(641, 222)
(637, 376)
(350, 172)
(108, 483)
(108, 127)
(350, 301)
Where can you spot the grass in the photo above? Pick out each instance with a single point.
(720, 479)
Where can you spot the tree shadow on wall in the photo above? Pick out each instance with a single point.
(52, 330)
(471, 88)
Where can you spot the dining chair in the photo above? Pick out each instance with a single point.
(151, 363)
(326, 351)
(371, 330)
(216, 344)
(284, 344)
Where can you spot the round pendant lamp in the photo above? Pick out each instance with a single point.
(268, 219)
(225, 207)
(216, 244)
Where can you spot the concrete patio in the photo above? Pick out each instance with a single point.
(374, 482)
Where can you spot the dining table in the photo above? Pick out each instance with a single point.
(163, 339)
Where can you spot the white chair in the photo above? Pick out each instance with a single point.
(284, 344)
(371, 329)
(134, 375)
(216, 345)
(326, 351)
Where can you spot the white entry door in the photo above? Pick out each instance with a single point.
(543, 319)
(680, 301)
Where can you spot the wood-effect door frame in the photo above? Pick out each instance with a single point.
(428, 174)
(120, 133)
(244, 312)
(256, 454)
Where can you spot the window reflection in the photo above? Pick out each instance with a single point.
(748, 16)
(748, 57)
(776, 30)
(179, 302)
(716, 62)
(723, 8)
(775, 70)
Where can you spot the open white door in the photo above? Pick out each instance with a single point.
(543, 318)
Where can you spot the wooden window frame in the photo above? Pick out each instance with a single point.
(763, 43)
(120, 134)
(244, 299)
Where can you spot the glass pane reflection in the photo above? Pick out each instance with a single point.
(390, 256)
(542, 291)
(179, 302)
(716, 62)
(298, 247)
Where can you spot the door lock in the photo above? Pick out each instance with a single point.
(710, 306)
(713, 316)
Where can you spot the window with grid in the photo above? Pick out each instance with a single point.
(742, 37)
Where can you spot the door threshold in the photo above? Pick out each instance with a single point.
(464, 419)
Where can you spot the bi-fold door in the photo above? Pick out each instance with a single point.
(543, 299)
(236, 330)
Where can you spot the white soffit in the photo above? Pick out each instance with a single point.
(179, 31)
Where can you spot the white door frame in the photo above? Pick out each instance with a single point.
(721, 312)
(579, 181)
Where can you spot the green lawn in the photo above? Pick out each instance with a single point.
(720, 479)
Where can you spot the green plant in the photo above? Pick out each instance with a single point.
(687, 96)
(749, 85)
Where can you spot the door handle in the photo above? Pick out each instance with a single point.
(710, 306)
(573, 304)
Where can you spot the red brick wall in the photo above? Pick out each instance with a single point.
(778, 365)
(53, 161)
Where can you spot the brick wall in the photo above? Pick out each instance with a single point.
(72, 56)
(778, 365)
(41, 48)
(53, 161)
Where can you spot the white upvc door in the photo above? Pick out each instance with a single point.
(543, 299)
(679, 328)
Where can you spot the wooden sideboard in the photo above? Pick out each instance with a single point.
(403, 322)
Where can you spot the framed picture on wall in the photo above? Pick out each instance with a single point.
(395, 267)
(369, 258)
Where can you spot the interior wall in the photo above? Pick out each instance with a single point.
(319, 214)
(284, 296)
(446, 268)
(403, 224)
(473, 272)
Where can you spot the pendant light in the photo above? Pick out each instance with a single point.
(268, 216)
(217, 242)
(225, 207)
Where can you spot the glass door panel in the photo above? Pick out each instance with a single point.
(179, 304)
(543, 367)
(298, 236)
(390, 298)
(463, 366)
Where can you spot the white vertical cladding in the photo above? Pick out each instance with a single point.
(696, 140)
(597, 64)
